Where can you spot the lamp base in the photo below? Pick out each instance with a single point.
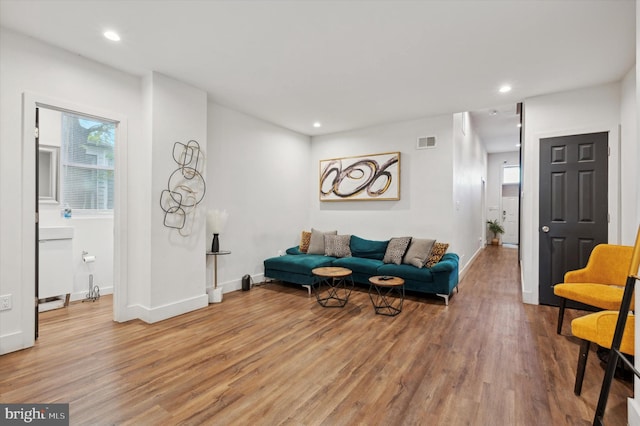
(215, 295)
(215, 244)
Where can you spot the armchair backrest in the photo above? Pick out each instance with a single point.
(608, 264)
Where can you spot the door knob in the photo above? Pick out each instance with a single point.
(545, 229)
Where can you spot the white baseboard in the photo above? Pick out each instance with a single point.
(235, 285)
(463, 271)
(163, 312)
(633, 412)
(80, 295)
(12, 342)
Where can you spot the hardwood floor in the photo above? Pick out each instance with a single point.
(273, 356)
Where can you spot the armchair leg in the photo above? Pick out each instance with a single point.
(582, 364)
(563, 304)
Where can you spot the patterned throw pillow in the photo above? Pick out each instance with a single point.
(305, 239)
(418, 252)
(438, 250)
(395, 250)
(316, 243)
(337, 245)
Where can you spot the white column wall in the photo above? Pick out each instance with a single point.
(178, 262)
(257, 172)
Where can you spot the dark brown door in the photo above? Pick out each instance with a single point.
(573, 205)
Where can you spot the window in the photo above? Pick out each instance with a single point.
(510, 175)
(87, 163)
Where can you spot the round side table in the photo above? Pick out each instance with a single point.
(386, 294)
(339, 284)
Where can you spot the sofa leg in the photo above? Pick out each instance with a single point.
(445, 297)
(308, 287)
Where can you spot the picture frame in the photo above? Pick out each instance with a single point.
(371, 177)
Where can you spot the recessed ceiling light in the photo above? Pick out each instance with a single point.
(112, 35)
(504, 89)
(317, 124)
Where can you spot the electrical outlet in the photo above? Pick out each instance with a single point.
(5, 302)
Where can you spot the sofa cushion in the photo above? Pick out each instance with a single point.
(418, 252)
(438, 250)
(396, 249)
(300, 264)
(359, 265)
(316, 244)
(305, 239)
(406, 272)
(368, 249)
(337, 245)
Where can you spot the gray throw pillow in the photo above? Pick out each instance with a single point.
(337, 245)
(316, 243)
(395, 250)
(418, 252)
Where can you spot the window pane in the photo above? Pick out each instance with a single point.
(511, 174)
(87, 162)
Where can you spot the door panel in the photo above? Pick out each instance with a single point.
(573, 205)
(510, 217)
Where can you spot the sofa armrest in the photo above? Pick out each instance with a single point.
(294, 250)
(448, 263)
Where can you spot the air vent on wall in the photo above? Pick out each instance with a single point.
(426, 142)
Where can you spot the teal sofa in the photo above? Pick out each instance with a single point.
(366, 261)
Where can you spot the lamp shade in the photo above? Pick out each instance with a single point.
(216, 220)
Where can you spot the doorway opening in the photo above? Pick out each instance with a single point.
(510, 195)
(75, 203)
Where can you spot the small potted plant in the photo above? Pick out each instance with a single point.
(496, 229)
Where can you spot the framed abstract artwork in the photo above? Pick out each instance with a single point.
(366, 177)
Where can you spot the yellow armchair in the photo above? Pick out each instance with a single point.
(600, 283)
(599, 328)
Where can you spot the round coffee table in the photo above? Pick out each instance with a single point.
(338, 282)
(386, 294)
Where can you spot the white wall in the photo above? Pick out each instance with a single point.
(630, 111)
(37, 68)
(593, 109)
(177, 268)
(629, 161)
(426, 205)
(469, 171)
(257, 172)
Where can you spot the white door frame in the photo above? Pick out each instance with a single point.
(29, 104)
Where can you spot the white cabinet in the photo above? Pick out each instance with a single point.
(55, 273)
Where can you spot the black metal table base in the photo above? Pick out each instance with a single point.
(337, 291)
(387, 300)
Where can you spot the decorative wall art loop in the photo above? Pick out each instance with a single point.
(185, 188)
(368, 177)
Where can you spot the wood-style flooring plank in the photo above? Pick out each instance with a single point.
(273, 356)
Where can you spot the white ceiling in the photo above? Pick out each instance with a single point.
(349, 64)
